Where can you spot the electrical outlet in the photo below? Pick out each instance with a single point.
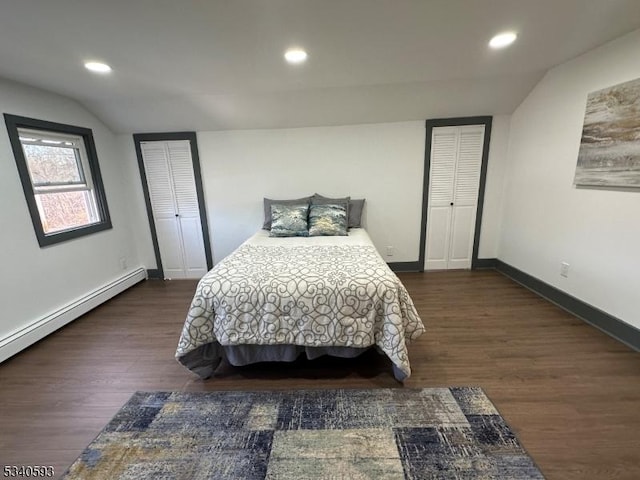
(389, 251)
(564, 269)
(123, 263)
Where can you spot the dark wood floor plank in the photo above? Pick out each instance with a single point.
(570, 392)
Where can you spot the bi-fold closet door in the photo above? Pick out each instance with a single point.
(454, 178)
(174, 203)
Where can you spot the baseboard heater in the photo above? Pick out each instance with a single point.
(22, 338)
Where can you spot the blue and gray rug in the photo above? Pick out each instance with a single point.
(435, 433)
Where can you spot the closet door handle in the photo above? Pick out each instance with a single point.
(451, 205)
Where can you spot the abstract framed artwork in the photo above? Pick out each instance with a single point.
(609, 154)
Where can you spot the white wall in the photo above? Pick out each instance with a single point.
(546, 218)
(137, 210)
(494, 188)
(383, 163)
(38, 281)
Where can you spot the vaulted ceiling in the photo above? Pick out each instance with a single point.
(218, 64)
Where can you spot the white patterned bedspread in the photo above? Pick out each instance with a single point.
(318, 291)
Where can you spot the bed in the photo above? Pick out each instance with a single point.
(274, 299)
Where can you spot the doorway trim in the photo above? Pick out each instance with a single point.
(454, 122)
(195, 159)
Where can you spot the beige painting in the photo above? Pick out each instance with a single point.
(609, 153)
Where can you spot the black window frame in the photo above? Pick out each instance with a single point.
(13, 123)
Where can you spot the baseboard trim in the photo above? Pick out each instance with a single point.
(404, 266)
(154, 274)
(20, 339)
(612, 326)
(479, 263)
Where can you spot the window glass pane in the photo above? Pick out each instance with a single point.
(53, 165)
(62, 211)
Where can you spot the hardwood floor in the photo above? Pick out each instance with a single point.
(571, 393)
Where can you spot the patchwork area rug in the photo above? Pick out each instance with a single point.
(435, 433)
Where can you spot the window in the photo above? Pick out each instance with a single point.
(60, 176)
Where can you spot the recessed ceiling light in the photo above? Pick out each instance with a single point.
(97, 67)
(503, 39)
(295, 55)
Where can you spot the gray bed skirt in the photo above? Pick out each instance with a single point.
(204, 360)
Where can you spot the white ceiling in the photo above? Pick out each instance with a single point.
(218, 64)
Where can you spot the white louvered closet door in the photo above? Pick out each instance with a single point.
(174, 202)
(454, 179)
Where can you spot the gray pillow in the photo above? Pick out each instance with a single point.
(329, 219)
(355, 212)
(267, 208)
(289, 220)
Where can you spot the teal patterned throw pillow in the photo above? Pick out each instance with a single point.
(289, 220)
(327, 219)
